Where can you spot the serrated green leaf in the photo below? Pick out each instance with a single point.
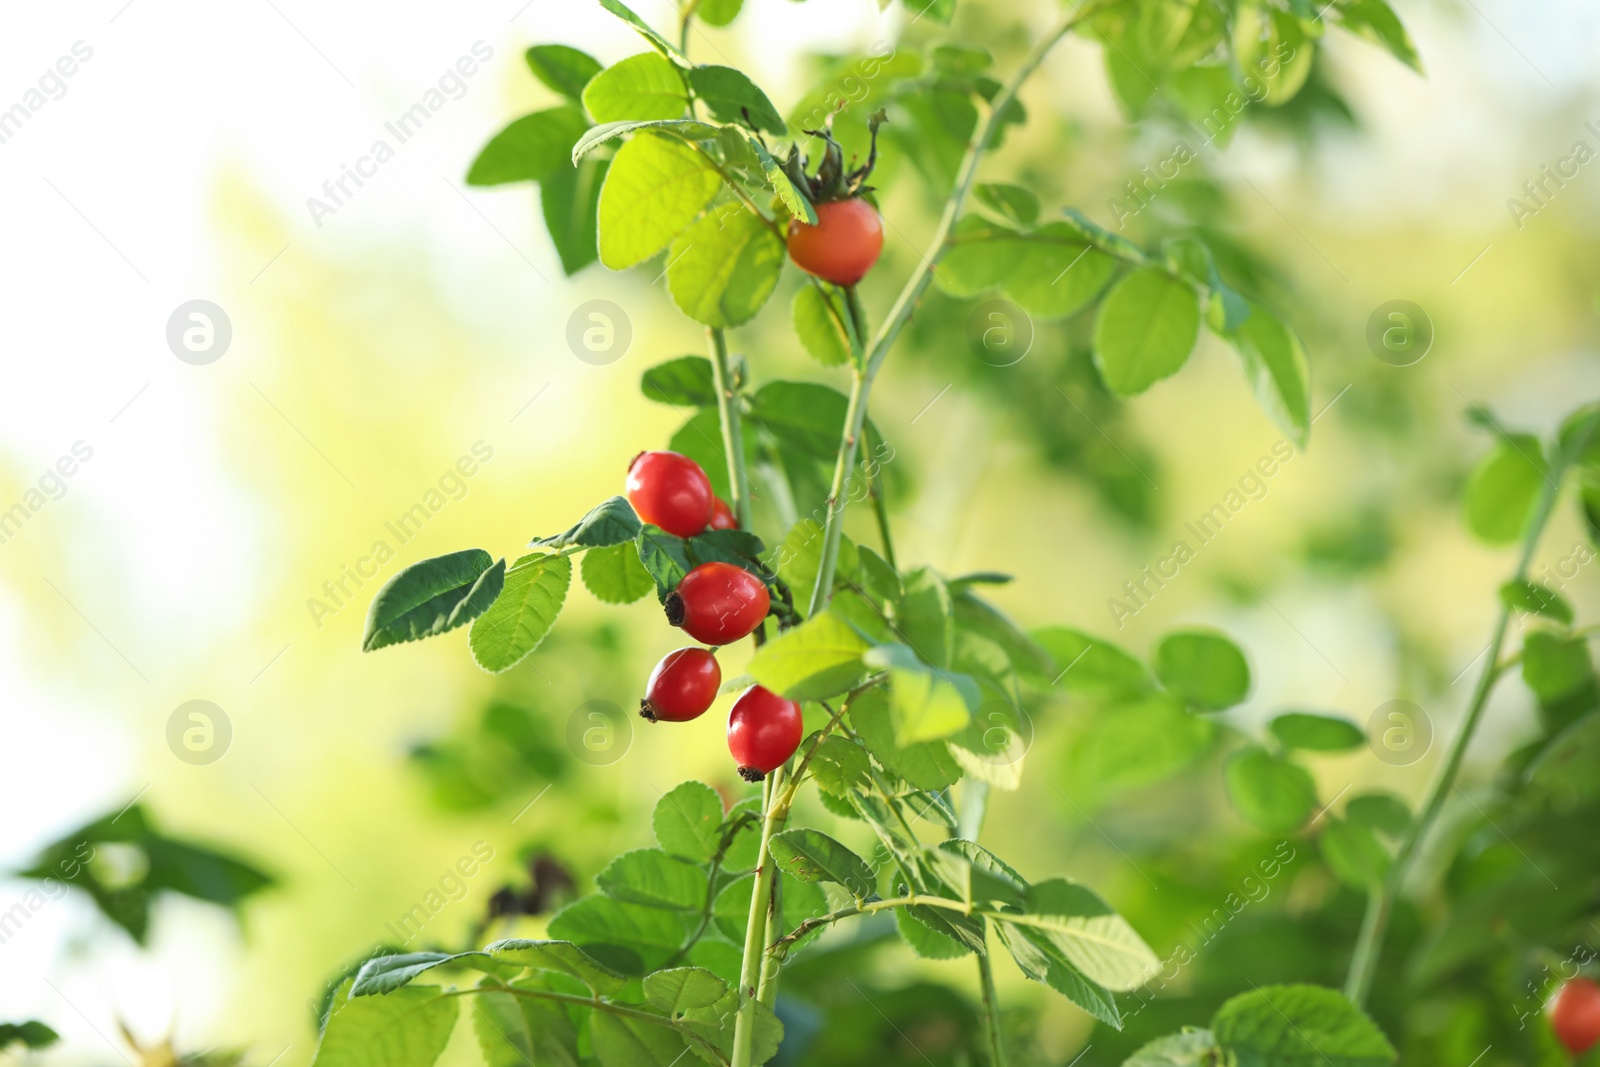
(664, 556)
(610, 523)
(819, 658)
(569, 200)
(627, 938)
(650, 877)
(564, 69)
(819, 320)
(1194, 1048)
(733, 97)
(515, 1030)
(628, 1041)
(1203, 667)
(679, 128)
(1299, 1026)
(683, 988)
(1050, 272)
(531, 149)
(385, 974)
(1316, 733)
(641, 87)
(658, 42)
(1013, 203)
(925, 941)
(925, 703)
(927, 765)
(615, 575)
(1376, 21)
(1097, 941)
(433, 597)
(1147, 326)
(535, 588)
(923, 616)
(797, 202)
(656, 187)
(1272, 794)
(840, 765)
(407, 1028)
(560, 957)
(813, 856)
(1275, 365)
(722, 269)
(687, 821)
(685, 381)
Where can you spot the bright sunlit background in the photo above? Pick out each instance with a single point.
(374, 345)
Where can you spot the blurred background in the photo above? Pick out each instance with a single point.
(218, 538)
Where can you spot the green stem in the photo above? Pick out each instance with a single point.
(916, 285)
(752, 974)
(598, 1003)
(781, 946)
(684, 17)
(732, 428)
(991, 1007)
(1380, 903)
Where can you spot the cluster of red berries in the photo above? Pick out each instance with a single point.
(1575, 1015)
(716, 604)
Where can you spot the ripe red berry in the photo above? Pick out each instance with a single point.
(671, 491)
(1574, 1014)
(722, 515)
(718, 603)
(682, 686)
(763, 732)
(842, 246)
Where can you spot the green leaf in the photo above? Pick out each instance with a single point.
(1093, 938)
(923, 617)
(1501, 491)
(1193, 1048)
(628, 1041)
(679, 129)
(1271, 794)
(610, 523)
(1536, 599)
(813, 856)
(926, 942)
(1565, 769)
(1050, 272)
(408, 1028)
(733, 97)
(650, 877)
(656, 187)
(722, 269)
(385, 974)
(682, 988)
(615, 575)
(1088, 666)
(562, 68)
(658, 42)
(927, 765)
(1012, 203)
(1147, 326)
(1555, 665)
(1353, 853)
(718, 12)
(1299, 1026)
(569, 199)
(514, 1031)
(687, 821)
(535, 588)
(819, 658)
(798, 203)
(1384, 812)
(1203, 667)
(840, 765)
(31, 1034)
(821, 330)
(1275, 365)
(559, 957)
(925, 703)
(531, 149)
(685, 381)
(1271, 45)
(801, 901)
(433, 597)
(1141, 743)
(627, 938)
(1317, 733)
(664, 556)
(1376, 21)
(640, 87)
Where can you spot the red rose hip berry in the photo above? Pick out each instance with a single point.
(671, 491)
(682, 686)
(842, 246)
(718, 603)
(722, 515)
(1574, 1014)
(763, 732)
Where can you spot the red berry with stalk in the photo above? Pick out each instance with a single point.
(1575, 1015)
(671, 491)
(718, 603)
(848, 236)
(682, 686)
(763, 731)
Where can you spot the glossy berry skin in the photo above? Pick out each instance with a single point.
(671, 491)
(763, 731)
(718, 603)
(722, 515)
(682, 686)
(1574, 1015)
(842, 246)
